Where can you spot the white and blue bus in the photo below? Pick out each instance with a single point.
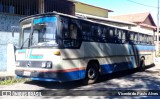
(59, 47)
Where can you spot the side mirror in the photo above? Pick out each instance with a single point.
(13, 32)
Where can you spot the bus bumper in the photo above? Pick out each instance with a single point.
(51, 76)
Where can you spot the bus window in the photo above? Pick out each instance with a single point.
(136, 38)
(70, 34)
(35, 38)
(104, 35)
(123, 36)
(73, 31)
(26, 32)
(65, 30)
(132, 36)
(111, 35)
(147, 39)
(99, 33)
(111, 32)
(93, 36)
(86, 31)
(119, 32)
(128, 37)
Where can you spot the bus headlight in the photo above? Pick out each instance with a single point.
(49, 64)
(43, 64)
(17, 63)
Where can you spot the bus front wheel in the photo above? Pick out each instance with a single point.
(92, 74)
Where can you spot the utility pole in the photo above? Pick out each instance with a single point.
(157, 30)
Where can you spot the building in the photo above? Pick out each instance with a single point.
(144, 22)
(99, 14)
(83, 8)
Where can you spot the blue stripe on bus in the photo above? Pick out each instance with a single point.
(22, 51)
(35, 56)
(44, 19)
(110, 68)
(145, 48)
(65, 76)
(46, 79)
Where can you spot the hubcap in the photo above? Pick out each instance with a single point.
(91, 73)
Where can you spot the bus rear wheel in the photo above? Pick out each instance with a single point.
(92, 74)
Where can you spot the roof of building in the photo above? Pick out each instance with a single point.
(135, 18)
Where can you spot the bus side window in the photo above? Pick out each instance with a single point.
(111, 35)
(147, 39)
(119, 35)
(132, 37)
(66, 33)
(93, 36)
(73, 31)
(128, 37)
(140, 38)
(104, 35)
(97, 33)
(136, 38)
(86, 31)
(70, 32)
(123, 36)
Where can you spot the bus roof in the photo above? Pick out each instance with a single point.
(76, 17)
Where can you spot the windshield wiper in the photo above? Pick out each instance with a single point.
(24, 42)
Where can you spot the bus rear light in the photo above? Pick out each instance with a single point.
(57, 53)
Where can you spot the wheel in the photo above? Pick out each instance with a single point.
(92, 74)
(142, 64)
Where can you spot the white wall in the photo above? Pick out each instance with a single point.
(6, 21)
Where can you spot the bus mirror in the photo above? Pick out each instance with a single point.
(14, 28)
(12, 32)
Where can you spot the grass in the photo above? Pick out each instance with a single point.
(10, 81)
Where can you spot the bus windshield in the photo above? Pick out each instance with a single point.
(43, 33)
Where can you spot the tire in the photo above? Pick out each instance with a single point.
(92, 74)
(142, 64)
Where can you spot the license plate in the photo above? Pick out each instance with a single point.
(27, 73)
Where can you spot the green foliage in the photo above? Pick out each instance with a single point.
(10, 81)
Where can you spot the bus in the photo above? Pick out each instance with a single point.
(59, 47)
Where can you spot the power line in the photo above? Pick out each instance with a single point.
(142, 4)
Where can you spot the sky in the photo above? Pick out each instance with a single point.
(122, 7)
